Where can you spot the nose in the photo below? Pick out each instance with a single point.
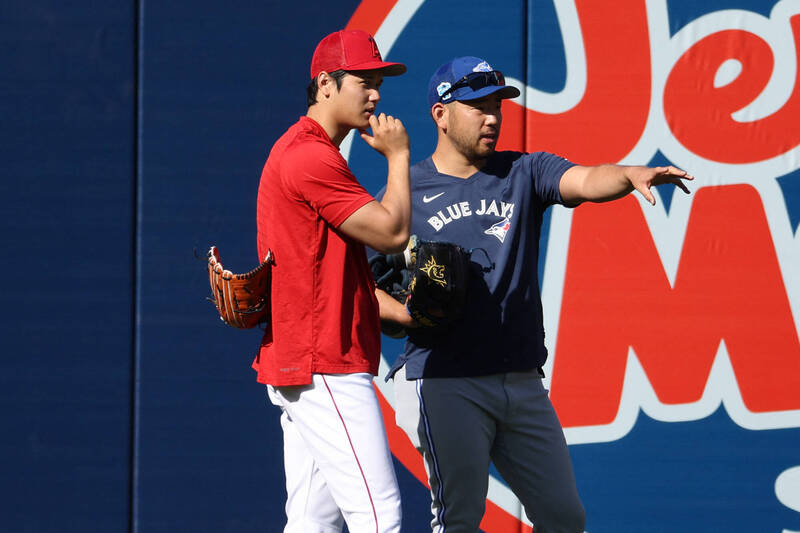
(374, 95)
(493, 118)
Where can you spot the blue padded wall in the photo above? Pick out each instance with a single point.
(67, 93)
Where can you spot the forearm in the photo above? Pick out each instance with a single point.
(386, 225)
(392, 310)
(600, 183)
(397, 197)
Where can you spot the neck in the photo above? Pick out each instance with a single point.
(336, 132)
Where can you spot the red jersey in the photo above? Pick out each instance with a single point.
(324, 312)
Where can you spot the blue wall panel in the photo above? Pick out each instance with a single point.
(220, 83)
(66, 183)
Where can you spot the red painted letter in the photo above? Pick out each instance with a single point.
(728, 287)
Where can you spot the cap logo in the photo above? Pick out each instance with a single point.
(442, 88)
(375, 52)
(483, 66)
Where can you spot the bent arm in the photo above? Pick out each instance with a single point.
(385, 226)
(604, 183)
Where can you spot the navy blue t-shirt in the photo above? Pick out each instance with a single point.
(497, 210)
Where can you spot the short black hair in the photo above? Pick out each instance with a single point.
(311, 90)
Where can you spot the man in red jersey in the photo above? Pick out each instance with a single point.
(322, 346)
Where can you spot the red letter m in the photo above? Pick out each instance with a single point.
(728, 287)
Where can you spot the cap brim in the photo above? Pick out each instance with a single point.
(504, 91)
(387, 69)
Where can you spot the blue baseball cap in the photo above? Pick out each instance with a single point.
(467, 78)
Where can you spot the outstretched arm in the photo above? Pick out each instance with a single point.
(604, 183)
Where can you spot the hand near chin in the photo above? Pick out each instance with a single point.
(388, 137)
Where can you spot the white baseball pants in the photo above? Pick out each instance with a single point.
(336, 457)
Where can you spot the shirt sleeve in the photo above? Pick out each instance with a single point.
(316, 173)
(546, 171)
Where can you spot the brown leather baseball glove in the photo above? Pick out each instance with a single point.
(242, 300)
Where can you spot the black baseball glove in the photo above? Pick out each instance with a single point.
(429, 277)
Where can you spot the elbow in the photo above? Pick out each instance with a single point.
(396, 242)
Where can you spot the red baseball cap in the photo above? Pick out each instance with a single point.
(351, 50)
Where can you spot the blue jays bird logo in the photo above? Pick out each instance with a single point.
(499, 229)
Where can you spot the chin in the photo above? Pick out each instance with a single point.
(362, 124)
(484, 151)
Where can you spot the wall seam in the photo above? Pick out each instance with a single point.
(133, 478)
(526, 11)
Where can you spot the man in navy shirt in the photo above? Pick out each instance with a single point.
(472, 392)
